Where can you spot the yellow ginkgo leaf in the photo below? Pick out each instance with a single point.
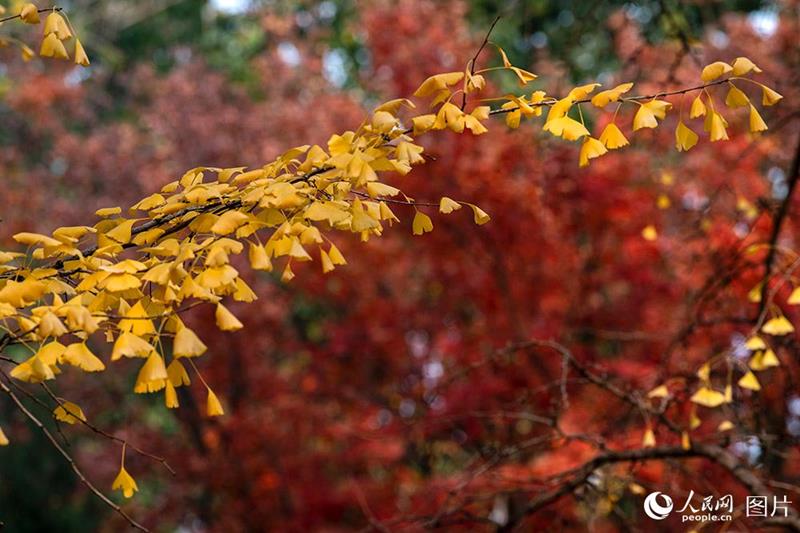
(480, 216)
(659, 392)
(152, 376)
(422, 223)
(717, 127)
(446, 205)
(35, 239)
(55, 23)
(226, 321)
(523, 76)
(686, 441)
(603, 98)
(514, 116)
(437, 83)
(328, 211)
(694, 420)
(769, 96)
(698, 108)
(213, 405)
(387, 214)
(29, 14)
(122, 232)
(591, 149)
(187, 344)
(376, 189)
(450, 116)
(762, 360)
(725, 425)
(125, 483)
(129, 345)
(754, 294)
(559, 109)
(794, 297)
(708, 397)
(288, 274)
(757, 123)
(34, 370)
(52, 47)
(336, 256)
(27, 52)
(80, 54)
(581, 92)
(473, 122)
(742, 66)
(704, 372)
(51, 326)
(685, 138)
(644, 118)
(325, 260)
(423, 123)
(777, 326)
(755, 343)
(177, 375)
(736, 98)
(136, 321)
(171, 396)
(228, 222)
(69, 413)
(648, 439)
(258, 257)
(769, 359)
(79, 355)
(566, 128)
(715, 70)
(612, 137)
(649, 113)
(410, 153)
(749, 381)
(108, 211)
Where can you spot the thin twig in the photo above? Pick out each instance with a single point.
(474, 59)
(777, 225)
(109, 436)
(42, 10)
(38, 423)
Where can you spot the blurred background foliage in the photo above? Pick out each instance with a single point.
(228, 35)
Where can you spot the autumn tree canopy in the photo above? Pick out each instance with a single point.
(613, 313)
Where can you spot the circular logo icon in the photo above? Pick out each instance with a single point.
(657, 505)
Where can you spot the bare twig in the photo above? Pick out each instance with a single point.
(777, 225)
(97, 492)
(474, 59)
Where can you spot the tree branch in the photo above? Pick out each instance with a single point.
(777, 225)
(38, 423)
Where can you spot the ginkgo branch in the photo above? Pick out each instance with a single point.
(97, 492)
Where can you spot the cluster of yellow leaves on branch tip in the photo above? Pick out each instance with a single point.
(56, 32)
(650, 109)
(761, 357)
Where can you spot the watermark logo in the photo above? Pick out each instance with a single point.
(715, 508)
(657, 505)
